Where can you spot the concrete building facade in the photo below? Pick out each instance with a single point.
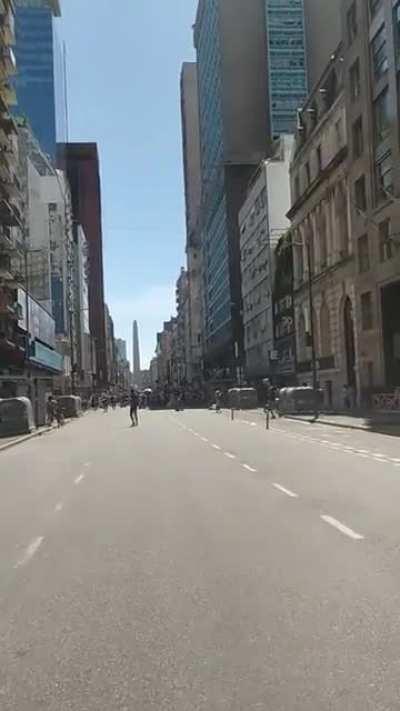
(323, 24)
(192, 177)
(262, 222)
(371, 65)
(321, 238)
(80, 161)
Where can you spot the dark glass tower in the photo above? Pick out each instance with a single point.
(35, 49)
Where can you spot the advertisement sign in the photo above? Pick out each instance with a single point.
(40, 322)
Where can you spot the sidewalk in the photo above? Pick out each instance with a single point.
(372, 422)
(384, 423)
(8, 442)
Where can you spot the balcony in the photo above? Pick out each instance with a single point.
(10, 187)
(5, 169)
(8, 64)
(7, 24)
(8, 306)
(7, 122)
(10, 215)
(8, 94)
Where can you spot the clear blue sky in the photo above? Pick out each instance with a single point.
(124, 61)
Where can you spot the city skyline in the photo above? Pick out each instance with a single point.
(132, 226)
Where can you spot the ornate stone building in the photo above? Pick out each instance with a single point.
(322, 246)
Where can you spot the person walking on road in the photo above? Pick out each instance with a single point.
(270, 398)
(218, 401)
(51, 410)
(134, 402)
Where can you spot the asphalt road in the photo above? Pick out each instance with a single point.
(198, 564)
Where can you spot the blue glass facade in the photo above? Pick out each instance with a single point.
(286, 62)
(215, 230)
(35, 83)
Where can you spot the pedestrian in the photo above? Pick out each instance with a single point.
(134, 403)
(270, 398)
(59, 414)
(105, 402)
(50, 407)
(218, 400)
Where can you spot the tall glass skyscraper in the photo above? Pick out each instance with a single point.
(39, 67)
(287, 70)
(232, 86)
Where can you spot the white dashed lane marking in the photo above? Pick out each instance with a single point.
(58, 507)
(79, 479)
(283, 490)
(217, 447)
(31, 550)
(249, 468)
(230, 455)
(342, 528)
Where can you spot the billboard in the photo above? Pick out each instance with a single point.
(35, 319)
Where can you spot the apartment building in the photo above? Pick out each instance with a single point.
(262, 221)
(324, 289)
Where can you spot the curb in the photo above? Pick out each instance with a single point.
(328, 422)
(25, 438)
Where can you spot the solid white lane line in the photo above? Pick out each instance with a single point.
(283, 490)
(342, 528)
(30, 551)
(217, 447)
(58, 507)
(79, 479)
(377, 455)
(230, 455)
(249, 468)
(254, 424)
(396, 461)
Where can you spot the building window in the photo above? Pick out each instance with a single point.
(374, 6)
(325, 331)
(366, 311)
(352, 23)
(380, 61)
(296, 186)
(355, 83)
(360, 193)
(384, 177)
(381, 117)
(385, 243)
(363, 254)
(339, 133)
(358, 138)
(319, 159)
(396, 27)
(307, 173)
